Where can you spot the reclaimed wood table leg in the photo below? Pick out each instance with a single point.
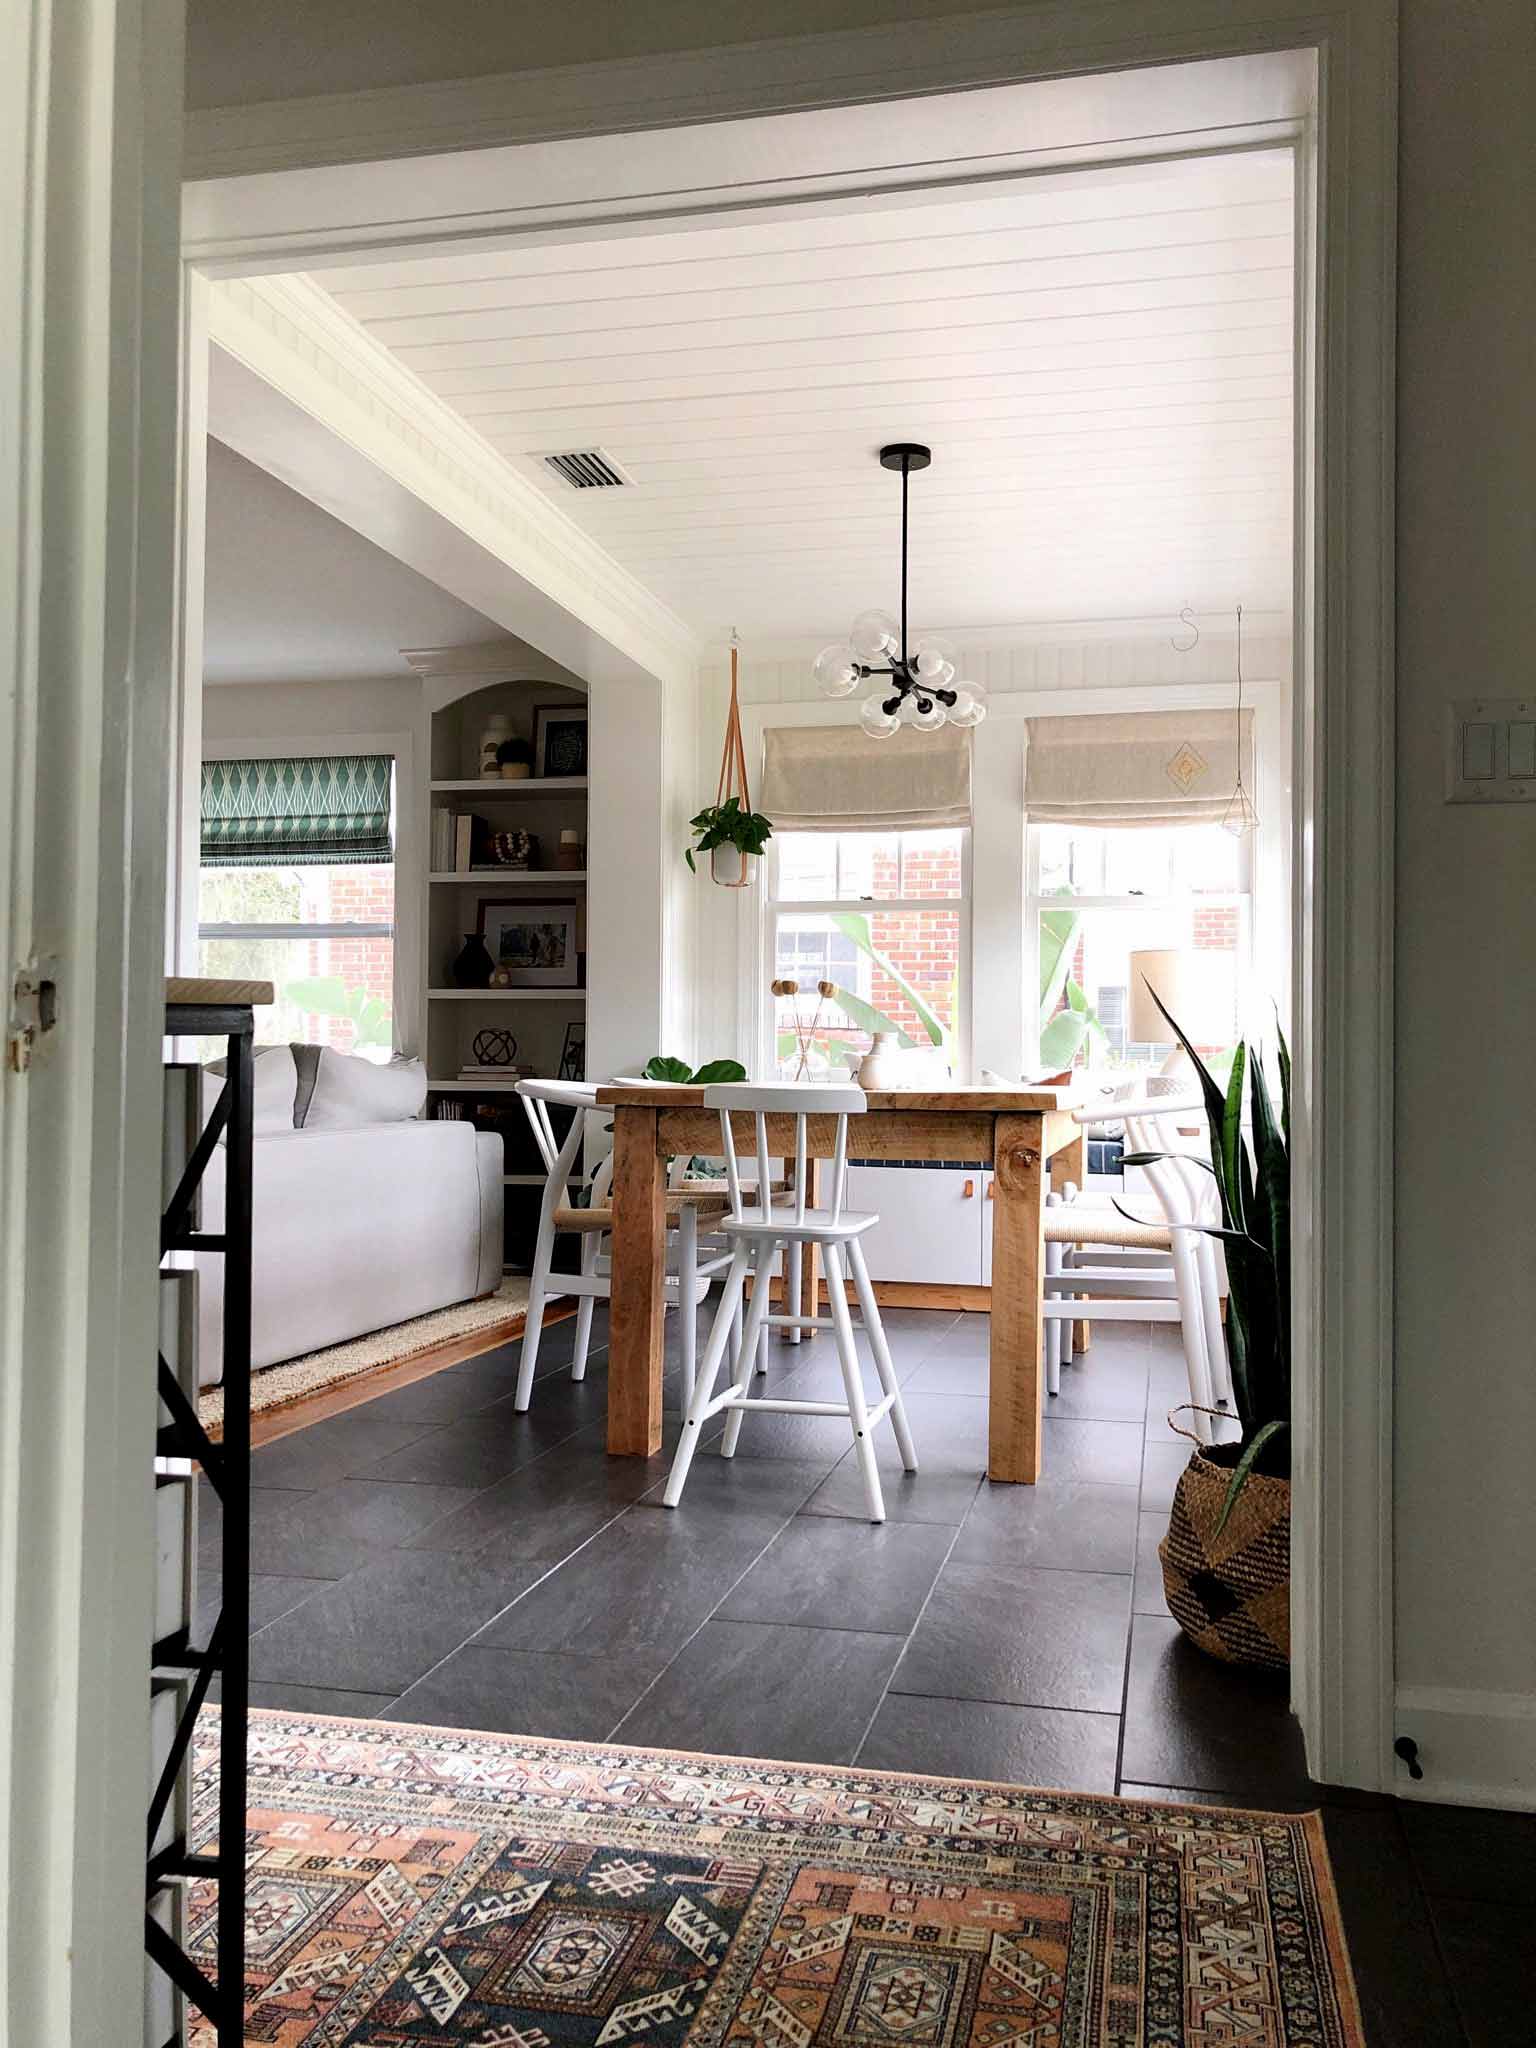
(638, 1301)
(810, 1265)
(1015, 1419)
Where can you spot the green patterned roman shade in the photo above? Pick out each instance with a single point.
(309, 811)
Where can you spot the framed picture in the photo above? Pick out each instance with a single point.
(533, 939)
(573, 1053)
(559, 739)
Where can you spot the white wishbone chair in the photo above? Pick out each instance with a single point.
(756, 1235)
(688, 1276)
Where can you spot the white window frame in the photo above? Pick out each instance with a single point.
(773, 907)
(398, 747)
(1173, 905)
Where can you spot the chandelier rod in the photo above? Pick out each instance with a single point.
(906, 477)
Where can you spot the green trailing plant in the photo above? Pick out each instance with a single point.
(713, 1071)
(727, 824)
(329, 996)
(1253, 1180)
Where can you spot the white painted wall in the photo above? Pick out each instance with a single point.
(1466, 911)
(386, 714)
(237, 54)
(1096, 665)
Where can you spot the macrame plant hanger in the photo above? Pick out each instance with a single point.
(733, 779)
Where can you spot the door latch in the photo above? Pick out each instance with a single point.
(34, 1013)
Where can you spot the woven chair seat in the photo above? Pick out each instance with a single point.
(1076, 1223)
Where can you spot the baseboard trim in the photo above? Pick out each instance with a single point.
(1475, 1748)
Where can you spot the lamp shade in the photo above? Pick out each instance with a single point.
(1198, 988)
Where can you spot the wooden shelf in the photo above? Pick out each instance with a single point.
(506, 995)
(472, 1087)
(531, 785)
(513, 875)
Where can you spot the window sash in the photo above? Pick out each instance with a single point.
(775, 908)
(296, 931)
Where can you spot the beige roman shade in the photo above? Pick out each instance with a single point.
(835, 778)
(1135, 767)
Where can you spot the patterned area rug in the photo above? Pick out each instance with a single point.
(496, 1317)
(411, 1885)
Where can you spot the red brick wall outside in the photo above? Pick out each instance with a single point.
(924, 945)
(358, 895)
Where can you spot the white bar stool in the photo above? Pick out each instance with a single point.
(756, 1236)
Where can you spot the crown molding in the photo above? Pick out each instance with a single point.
(294, 336)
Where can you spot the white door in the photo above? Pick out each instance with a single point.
(90, 119)
(929, 1228)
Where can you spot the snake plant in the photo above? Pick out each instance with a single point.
(1252, 1169)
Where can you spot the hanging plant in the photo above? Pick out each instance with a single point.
(729, 826)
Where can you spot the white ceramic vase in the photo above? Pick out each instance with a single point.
(881, 1065)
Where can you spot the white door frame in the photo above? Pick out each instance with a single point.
(90, 133)
(544, 187)
(88, 311)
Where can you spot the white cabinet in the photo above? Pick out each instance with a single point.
(934, 1226)
(987, 1206)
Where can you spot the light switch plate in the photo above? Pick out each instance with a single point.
(1491, 751)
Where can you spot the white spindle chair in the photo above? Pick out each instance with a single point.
(1165, 1270)
(756, 1235)
(689, 1275)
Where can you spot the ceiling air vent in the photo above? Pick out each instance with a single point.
(588, 469)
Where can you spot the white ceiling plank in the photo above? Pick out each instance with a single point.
(1102, 362)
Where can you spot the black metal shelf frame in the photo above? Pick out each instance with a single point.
(227, 1466)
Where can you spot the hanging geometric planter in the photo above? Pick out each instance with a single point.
(729, 830)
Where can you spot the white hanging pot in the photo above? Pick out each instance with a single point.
(731, 868)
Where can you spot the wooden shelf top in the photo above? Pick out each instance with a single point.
(506, 995)
(510, 875)
(186, 988)
(530, 785)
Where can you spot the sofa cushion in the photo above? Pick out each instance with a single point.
(272, 1096)
(351, 1092)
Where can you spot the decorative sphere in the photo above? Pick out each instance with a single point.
(835, 672)
(876, 720)
(874, 635)
(970, 705)
(931, 719)
(935, 660)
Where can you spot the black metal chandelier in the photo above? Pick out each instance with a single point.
(920, 687)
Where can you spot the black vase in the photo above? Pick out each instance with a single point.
(474, 966)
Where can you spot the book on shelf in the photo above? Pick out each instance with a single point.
(442, 840)
(489, 1073)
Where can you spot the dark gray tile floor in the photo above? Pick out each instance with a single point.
(434, 1557)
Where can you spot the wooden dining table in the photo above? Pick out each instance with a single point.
(1019, 1132)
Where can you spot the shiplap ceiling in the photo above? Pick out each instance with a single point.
(1101, 360)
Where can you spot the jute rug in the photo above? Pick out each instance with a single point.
(497, 1317)
(413, 1884)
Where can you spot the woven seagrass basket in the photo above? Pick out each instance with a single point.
(1231, 1594)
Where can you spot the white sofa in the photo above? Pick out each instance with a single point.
(363, 1215)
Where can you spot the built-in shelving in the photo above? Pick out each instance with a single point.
(484, 875)
(531, 785)
(473, 1087)
(506, 995)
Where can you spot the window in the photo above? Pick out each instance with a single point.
(1099, 896)
(885, 917)
(297, 887)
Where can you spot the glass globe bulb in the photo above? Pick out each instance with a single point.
(874, 635)
(931, 719)
(876, 720)
(836, 671)
(970, 705)
(935, 660)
